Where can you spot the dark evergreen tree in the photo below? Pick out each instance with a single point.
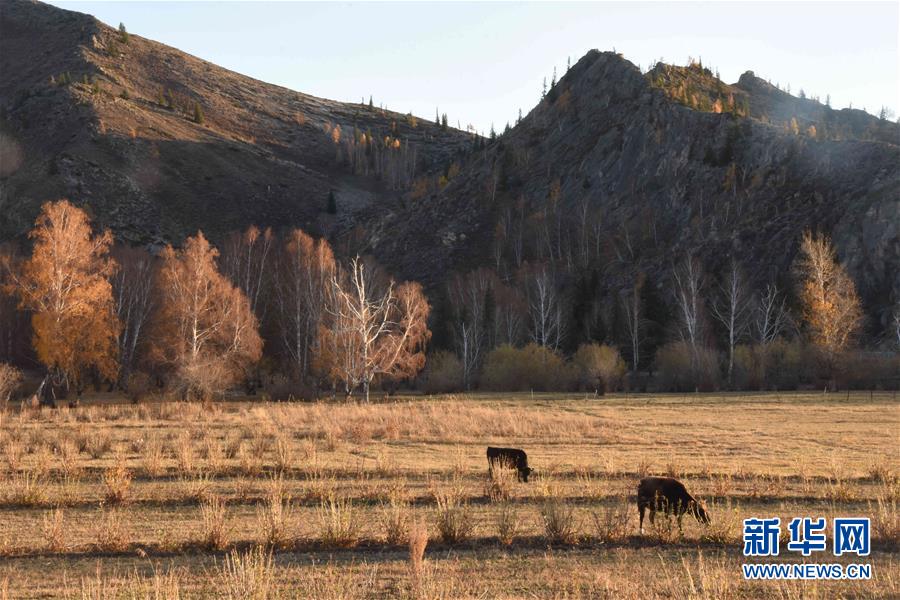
(332, 203)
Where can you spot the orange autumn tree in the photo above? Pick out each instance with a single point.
(206, 335)
(65, 284)
(372, 330)
(831, 307)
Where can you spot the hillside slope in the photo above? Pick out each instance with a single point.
(113, 125)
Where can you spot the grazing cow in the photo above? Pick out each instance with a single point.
(670, 496)
(512, 458)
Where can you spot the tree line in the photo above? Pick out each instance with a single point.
(196, 319)
(281, 311)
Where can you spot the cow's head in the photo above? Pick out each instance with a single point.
(699, 511)
(525, 473)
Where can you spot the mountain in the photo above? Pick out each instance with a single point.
(617, 171)
(614, 172)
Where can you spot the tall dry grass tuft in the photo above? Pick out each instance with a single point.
(454, 521)
(69, 461)
(339, 526)
(110, 532)
(508, 524)
(612, 523)
(53, 530)
(418, 540)
(153, 457)
(117, 480)
(500, 482)
(885, 520)
(184, 453)
(284, 454)
(560, 525)
(725, 524)
(274, 516)
(395, 519)
(27, 489)
(247, 575)
(215, 531)
(98, 443)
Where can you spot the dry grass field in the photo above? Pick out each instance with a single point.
(336, 500)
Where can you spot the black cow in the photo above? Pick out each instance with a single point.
(670, 496)
(512, 458)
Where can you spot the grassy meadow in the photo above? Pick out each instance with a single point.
(241, 499)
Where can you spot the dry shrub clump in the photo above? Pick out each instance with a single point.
(508, 524)
(454, 521)
(395, 519)
(117, 480)
(500, 483)
(612, 523)
(53, 530)
(418, 540)
(28, 489)
(560, 524)
(725, 524)
(215, 532)
(274, 516)
(247, 575)
(111, 534)
(153, 457)
(339, 526)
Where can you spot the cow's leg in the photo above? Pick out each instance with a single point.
(641, 509)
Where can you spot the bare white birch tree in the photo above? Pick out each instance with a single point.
(731, 308)
(770, 316)
(545, 309)
(688, 286)
(373, 331)
(634, 318)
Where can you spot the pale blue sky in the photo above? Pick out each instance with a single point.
(481, 62)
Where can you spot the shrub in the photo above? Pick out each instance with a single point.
(273, 517)
(53, 530)
(559, 522)
(215, 534)
(443, 373)
(198, 114)
(395, 520)
(530, 368)
(501, 480)
(454, 522)
(248, 575)
(418, 540)
(683, 370)
(612, 522)
(507, 524)
(599, 367)
(118, 481)
(111, 535)
(340, 527)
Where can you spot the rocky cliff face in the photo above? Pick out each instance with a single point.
(610, 161)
